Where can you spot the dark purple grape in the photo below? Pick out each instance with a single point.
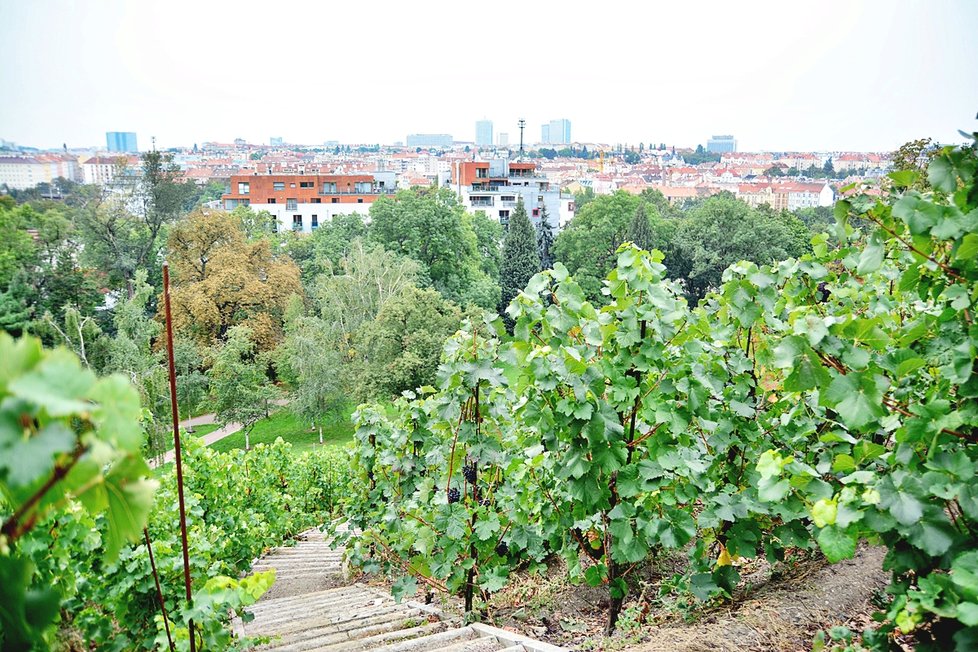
(453, 495)
(468, 472)
(502, 549)
(823, 287)
(485, 502)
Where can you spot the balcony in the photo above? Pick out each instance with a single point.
(345, 191)
(480, 202)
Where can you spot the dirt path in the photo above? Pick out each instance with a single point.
(782, 615)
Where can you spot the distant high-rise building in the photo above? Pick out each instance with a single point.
(502, 139)
(556, 132)
(121, 141)
(483, 133)
(275, 141)
(721, 144)
(429, 140)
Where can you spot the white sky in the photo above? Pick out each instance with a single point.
(863, 75)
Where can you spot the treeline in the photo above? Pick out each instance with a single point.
(357, 311)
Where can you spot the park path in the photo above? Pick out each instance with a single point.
(312, 606)
(211, 437)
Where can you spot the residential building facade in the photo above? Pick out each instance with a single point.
(495, 187)
(301, 202)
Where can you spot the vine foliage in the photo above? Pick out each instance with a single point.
(811, 403)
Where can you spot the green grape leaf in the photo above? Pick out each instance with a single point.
(58, 384)
(836, 544)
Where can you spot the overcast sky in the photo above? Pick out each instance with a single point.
(777, 75)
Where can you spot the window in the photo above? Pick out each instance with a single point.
(536, 212)
(296, 222)
(317, 200)
(504, 218)
(329, 187)
(291, 185)
(271, 200)
(278, 185)
(305, 184)
(508, 198)
(335, 200)
(359, 200)
(290, 204)
(244, 188)
(315, 222)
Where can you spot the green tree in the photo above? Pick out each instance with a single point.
(587, 244)
(521, 259)
(331, 242)
(16, 309)
(723, 230)
(17, 249)
(240, 388)
(545, 240)
(432, 228)
(403, 344)
(125, 232)
(639, 230)
(310, 357)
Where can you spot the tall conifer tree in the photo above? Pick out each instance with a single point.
(545, 240)
(521, 260)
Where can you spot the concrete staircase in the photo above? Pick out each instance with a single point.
(311, 607)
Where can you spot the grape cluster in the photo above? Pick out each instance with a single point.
(469, 473)
(453, 495)
(502, 549)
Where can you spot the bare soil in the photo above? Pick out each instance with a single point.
(774, 609)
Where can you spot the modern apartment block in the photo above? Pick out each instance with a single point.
(121, 141)
(483, 133)
(301, 202)
(495, 186)
(721, 144)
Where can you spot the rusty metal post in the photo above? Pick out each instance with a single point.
(159, 591)
(176, 445)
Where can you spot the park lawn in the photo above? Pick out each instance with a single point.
(337, 431)
(204, 429)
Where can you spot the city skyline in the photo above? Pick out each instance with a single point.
(780, 78)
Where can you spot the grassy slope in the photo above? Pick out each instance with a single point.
(337, 431)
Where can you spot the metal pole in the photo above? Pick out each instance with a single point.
(159, 591)
(176, 445)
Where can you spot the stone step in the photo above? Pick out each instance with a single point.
(430, 642)
(314, 634)
(337, 597)
(283, 615)
(479, 644)
(412, 639)
(338, 620)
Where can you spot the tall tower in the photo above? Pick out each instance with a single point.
(483, 133)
